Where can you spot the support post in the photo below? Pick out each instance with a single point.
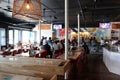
(78, 30)
(39, 31)
(66, 32)
(66, 28)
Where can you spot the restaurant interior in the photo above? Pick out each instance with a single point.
(59, 39)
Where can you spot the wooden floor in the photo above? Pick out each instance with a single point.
(91, 69)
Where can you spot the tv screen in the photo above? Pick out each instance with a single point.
(104, 25)
(57, 26)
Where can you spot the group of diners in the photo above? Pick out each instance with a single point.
(18, 50)
(52, 48)
(46, 49)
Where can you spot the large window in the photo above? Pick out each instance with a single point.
(11, 37)
(32, 37)
(16, 36)
(2, 37)
(21, 35)
(28, 36)
(25, 36)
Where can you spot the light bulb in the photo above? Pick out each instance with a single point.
(27, 6)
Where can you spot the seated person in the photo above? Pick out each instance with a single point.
(19, 45)
(55, 46)
(86, 49)
(35, 46)
(47, 48)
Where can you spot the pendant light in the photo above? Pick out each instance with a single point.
(27, 8)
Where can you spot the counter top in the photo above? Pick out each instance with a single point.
(30, 61)
(74, 56)
(29, 65)
(8, 76)
(112, 50)
(111, 60)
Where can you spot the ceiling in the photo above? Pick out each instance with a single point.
(92, 12)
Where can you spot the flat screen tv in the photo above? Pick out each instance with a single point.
(57, 26)
(104, 25)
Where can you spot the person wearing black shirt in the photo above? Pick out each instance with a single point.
(86, 51)
(47, 48)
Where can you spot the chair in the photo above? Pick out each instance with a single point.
(37, 56)
(6, 53)
(25, 50)
(35, 48)
(61, 51)
(43, 54)
(14, 52)
(20, 51)
(56, 53)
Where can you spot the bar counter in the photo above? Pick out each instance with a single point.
(76, 54)
(33, 66)
(112, 60)
(6, 76)
(73, 56)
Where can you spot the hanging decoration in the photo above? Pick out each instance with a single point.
(27, 8)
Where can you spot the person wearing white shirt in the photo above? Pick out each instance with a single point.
(44, 41)
(55, 46)
(59, 45)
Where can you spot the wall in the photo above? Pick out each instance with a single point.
(43, 30)
(115, 29)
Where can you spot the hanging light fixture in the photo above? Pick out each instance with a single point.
(27, 5)
(27, 8)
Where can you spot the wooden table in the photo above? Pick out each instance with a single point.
(33, 66)
(7, 76)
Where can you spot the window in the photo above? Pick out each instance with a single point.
(2, 37)
(21, 35)
(11, 37)
(16, 36)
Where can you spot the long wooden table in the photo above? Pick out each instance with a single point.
(33, 66)
(7, 76)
